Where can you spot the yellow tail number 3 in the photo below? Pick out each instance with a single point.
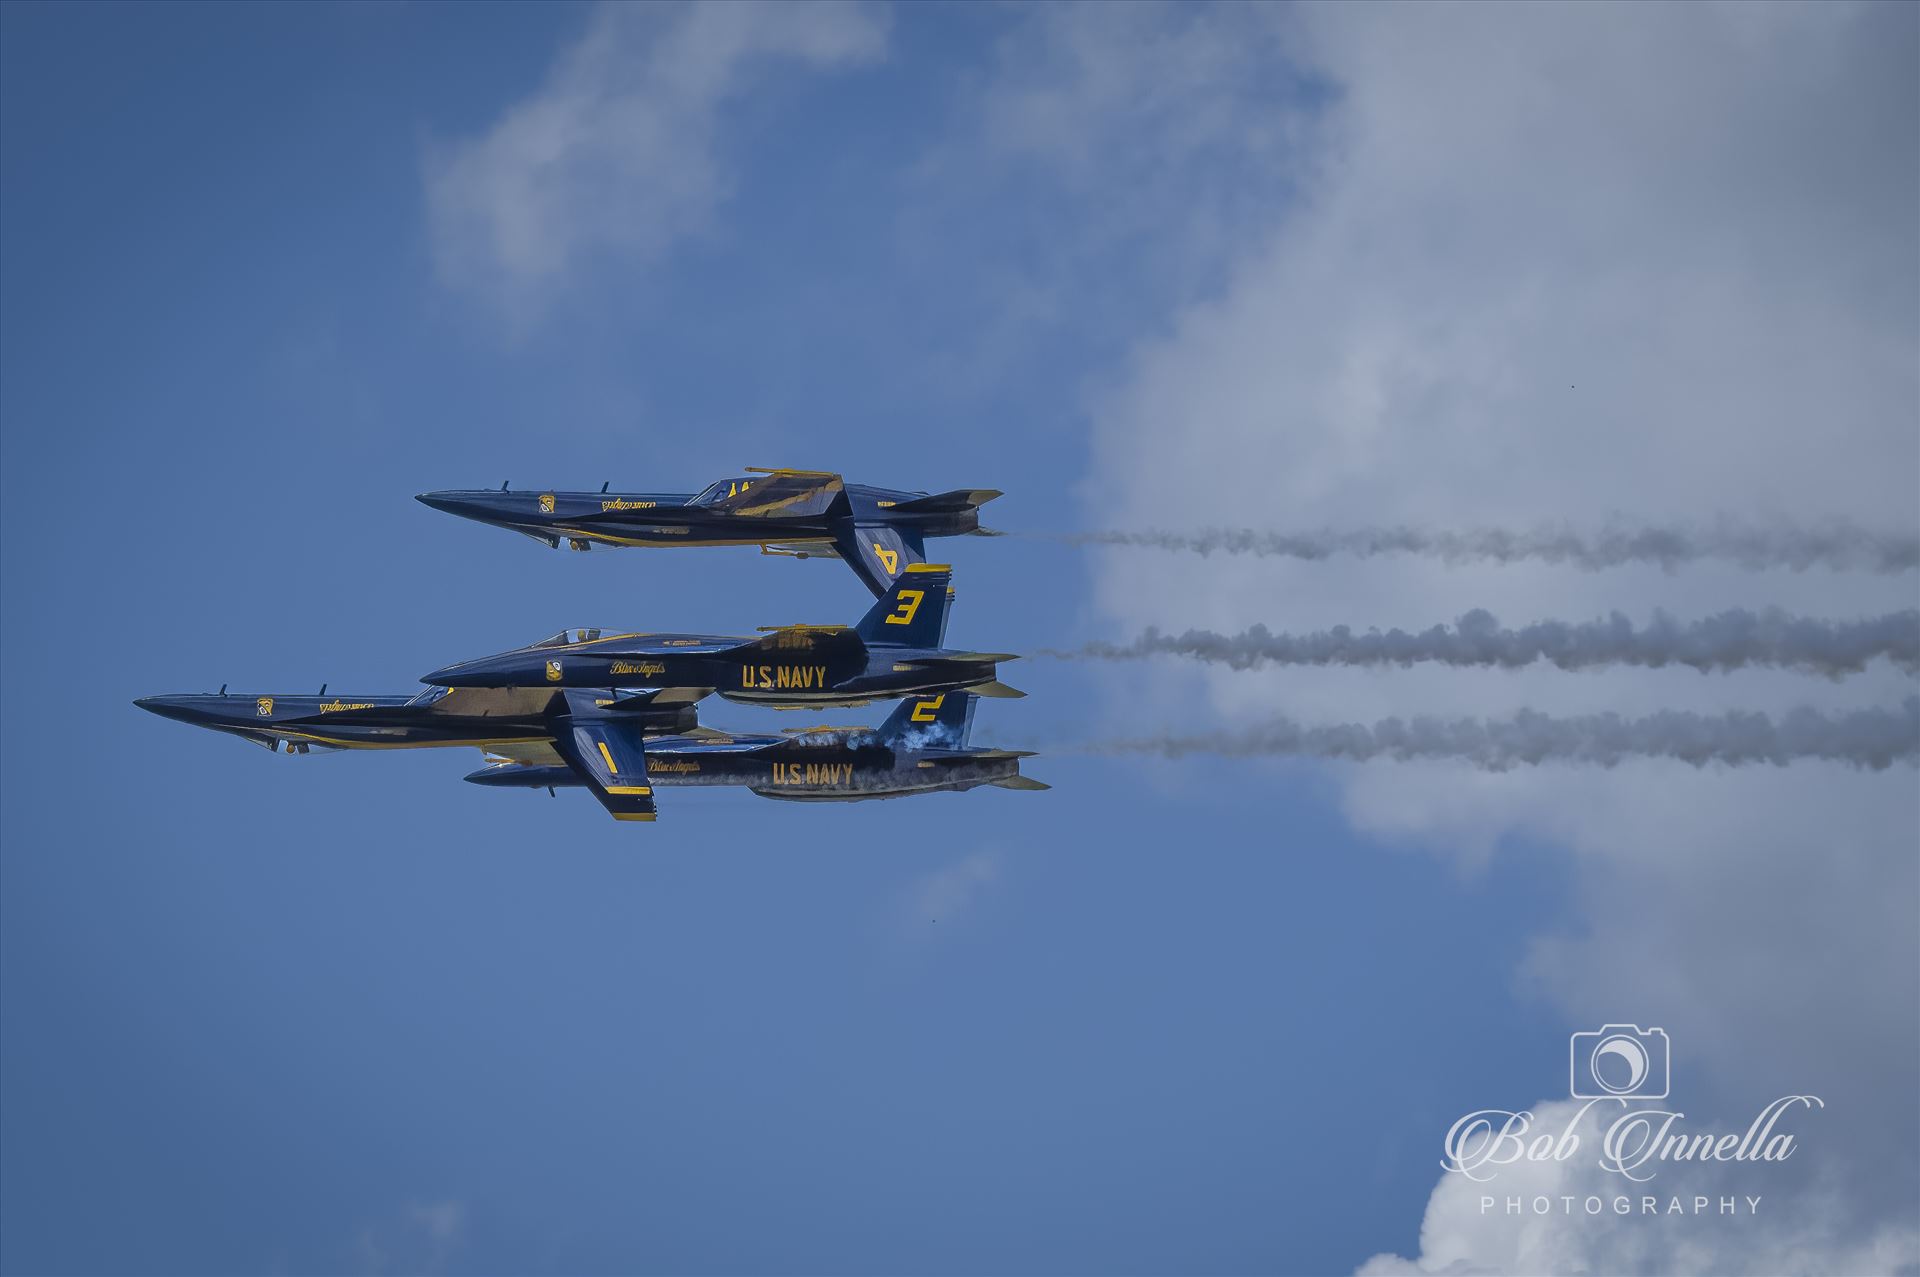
(889, 559)
(909, 604)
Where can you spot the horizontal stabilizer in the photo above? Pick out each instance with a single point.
(972, 658)
(1021, 782)
(943, 502)
(997, 690)
(998, 755)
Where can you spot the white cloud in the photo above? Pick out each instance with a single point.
(419, 1239)
(1093, 129)
(946, 893)
(442, 1221)
(1566, 263)
(1086, 88)
(617, 152)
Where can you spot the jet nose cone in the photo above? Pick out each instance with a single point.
(465, 674)
(174, 707)
(445, 502)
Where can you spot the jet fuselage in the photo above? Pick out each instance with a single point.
(806, 668)
(878, 532)
(824, 765)
(489, 719)
(689, 518)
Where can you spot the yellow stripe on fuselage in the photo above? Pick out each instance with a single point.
(403, 744)
(676, 541)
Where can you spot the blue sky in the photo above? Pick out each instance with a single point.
(346, 1013)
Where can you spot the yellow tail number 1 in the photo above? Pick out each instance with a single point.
(889, 559)
(909, 604)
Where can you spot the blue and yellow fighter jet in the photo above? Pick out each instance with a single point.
(539, 727)
(878, 531)
(921, 749)
(894, 651)
(490, 718)
(606, 741)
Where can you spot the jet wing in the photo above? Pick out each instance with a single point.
(783, 494)
(494, 702)
(607, 754)
(528, 753)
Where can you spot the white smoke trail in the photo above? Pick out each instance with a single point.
(1837, 544)
(1873, 739)
(1730, 640)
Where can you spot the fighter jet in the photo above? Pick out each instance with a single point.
(505, 720)
(600, 740)
(921, 748)
(878, 531)
(894, 651)
(536, 726)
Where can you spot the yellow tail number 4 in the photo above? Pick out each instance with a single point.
(909, 604)
(889, 559)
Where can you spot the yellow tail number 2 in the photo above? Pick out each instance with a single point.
(909, 604)
(925, 710)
